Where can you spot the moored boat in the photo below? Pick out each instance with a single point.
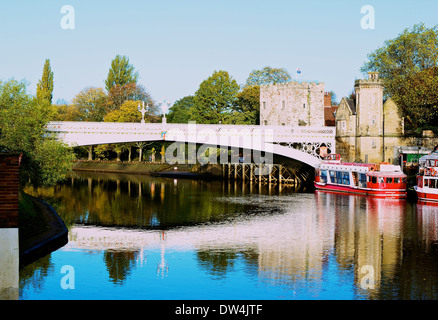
(378, 180)
(427, 179)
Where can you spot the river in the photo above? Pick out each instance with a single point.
(144, 237)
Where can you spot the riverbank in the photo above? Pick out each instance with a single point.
(41, 230)
(188, 171)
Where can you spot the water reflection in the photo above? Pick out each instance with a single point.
(197, 235)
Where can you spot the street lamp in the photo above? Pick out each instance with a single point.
(143, 111)
(164, 109)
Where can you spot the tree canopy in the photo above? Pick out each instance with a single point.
(22, 129)
(92, 104)
(120, 73)
(45, 84)
(215, 98)
(408, 65)
(268, 75)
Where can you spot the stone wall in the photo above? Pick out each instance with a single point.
(9, 248)
(9, 184)
(292, 104)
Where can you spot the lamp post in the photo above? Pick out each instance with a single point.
(143, 111)
(166, 105)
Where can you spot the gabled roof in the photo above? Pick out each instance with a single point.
(350, 104)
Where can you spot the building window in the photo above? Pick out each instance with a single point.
(283, 105)
(264, 105)
(266, 122)
(304, 105)
(373, 121)
(373, 143)
(283, 124)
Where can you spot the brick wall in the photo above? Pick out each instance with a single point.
(9, 188)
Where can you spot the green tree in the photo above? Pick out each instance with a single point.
(408, 65)
(92, 104)
(118, 94)
(22, 129)
(215, 98)
(248, 105)
(45, 84)
(120, 73)
(268, 75)
(181, 111)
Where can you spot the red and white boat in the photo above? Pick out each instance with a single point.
(378, 180)
(427, 179)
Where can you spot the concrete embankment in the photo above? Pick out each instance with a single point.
(41, 234)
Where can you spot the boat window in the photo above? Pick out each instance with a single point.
(388, 180)
(345, 178)
(432, 183)
(333, 176)
(323, 176)
(374, 179)
(362, 180)
(381, 180)
(426, 182)
(404, 180)
(339, 177)
(396, 180)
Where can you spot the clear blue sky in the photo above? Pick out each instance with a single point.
(176, 44)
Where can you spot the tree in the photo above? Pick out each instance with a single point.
(92, 104)
(45, 85)
(408, 65)
(22, 129)
(65, 112)
(120, 73)
(268, 75)
(215, 98)
(118, 94)
(182, 110)
(248, 105)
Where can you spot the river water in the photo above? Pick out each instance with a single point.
(143, 237)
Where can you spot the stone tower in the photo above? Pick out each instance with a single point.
(369, 105)
(292, 104)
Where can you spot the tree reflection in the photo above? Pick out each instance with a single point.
(119, 264)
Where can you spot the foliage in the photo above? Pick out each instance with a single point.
(65, 112)
(181, 111)
(45, 85)
(247, 106)
(22, 121)
(120, 73)
(268, 75)
(215, 98)
(128, 112)
(408, 65)
(92, 104)
(118, 94)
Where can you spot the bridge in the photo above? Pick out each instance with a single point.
(302, 144)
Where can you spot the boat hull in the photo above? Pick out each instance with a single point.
(426, 197)
(381, 193)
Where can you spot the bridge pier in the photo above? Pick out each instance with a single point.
(262, 174)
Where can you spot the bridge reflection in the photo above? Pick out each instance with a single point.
(298, 241)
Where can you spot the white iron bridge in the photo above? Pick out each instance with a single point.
(303, 144)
